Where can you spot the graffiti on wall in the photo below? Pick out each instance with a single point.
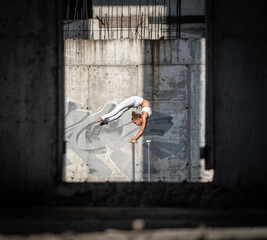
(97, 153)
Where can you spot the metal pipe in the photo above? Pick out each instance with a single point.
(142, 20)
(100, 28)
(161, 34)
(108, 20)
(179, 17)
(87, 10)
(169, 30)
(133, 160)
(92, 26)
(158, 21)
(81, 26)
(106, 26)
(111, 24)
(152, 20)
(149, 27)
(136, 22)
(139, 17)
(101, 17)
(128, 20)
(121, 19)
(145, 25)
(130, 28)
(75, 10)
(117, 23)
(148, 159)
(155, 20)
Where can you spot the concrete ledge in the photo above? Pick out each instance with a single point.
(84, 220)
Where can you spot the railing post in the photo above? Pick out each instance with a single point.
(148, 158)
(133, 160)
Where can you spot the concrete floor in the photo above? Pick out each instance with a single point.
(167, 234)
(131, 223)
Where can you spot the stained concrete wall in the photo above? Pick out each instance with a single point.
(238, 85)
(31, 133)
(188, 7)
(136, 20)
(101, 74)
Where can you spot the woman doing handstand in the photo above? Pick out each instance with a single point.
(138, 119)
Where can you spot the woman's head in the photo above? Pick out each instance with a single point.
(136, 118)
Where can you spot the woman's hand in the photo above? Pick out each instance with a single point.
(132, 140)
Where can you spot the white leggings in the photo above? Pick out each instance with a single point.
(119, 110)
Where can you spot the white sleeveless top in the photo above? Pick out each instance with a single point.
(137, 101)
(148, 110)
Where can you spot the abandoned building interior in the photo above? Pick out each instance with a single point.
(198, 172)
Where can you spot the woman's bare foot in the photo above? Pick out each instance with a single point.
(102, 122)
(99, 119)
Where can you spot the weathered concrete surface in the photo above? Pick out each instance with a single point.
(131, 223)
(238, 85)
(31, 136)
(160, 234)
(102, 68)
(188, 7)
(89, 29)
(170, 74)
(193, 7)
(143, 194)
(82, 219)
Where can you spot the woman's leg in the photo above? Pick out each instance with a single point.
(109, 119)
(118, 111)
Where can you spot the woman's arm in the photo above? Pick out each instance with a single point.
(143, 127)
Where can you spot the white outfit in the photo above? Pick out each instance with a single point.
(128, 103)
(148, 110)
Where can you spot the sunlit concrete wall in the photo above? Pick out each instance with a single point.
(136, 19)
(101, 74)
(101, 8)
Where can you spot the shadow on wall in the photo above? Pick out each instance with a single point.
(102, 153)
(172, 71)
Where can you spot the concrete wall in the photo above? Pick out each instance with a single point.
(101, 74)
(188, 7)
(30, 117)
(238, 84)
(31, 98)
(136, 20)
